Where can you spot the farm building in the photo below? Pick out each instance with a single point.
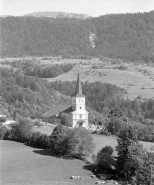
(76, 110)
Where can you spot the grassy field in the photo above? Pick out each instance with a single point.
(133, 80)
(24, 165)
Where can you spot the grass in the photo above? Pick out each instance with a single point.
(24, 165)
(131, 79)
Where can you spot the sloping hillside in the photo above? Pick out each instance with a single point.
(125, 36)
(26, 96)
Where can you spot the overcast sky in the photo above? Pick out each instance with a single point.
(90, 7)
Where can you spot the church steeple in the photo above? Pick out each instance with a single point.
(78, 90)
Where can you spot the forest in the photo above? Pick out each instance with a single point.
(103, 97)
(34, 68)
(124, 36)
(24, 96)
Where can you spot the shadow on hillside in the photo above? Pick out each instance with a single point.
(89, 167)
(50, 153)
(44, 152)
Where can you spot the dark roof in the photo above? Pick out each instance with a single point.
(78, 90)
(58, 108)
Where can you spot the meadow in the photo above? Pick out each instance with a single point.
(24, 165)
(134, 80)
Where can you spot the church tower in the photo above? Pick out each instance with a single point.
(80, 115)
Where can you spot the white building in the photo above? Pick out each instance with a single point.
(77, 109)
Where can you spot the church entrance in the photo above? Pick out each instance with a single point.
(80, 123)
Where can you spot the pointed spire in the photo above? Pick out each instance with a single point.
(78, 85)
(78, 90)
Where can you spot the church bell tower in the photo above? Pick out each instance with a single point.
(80, 115)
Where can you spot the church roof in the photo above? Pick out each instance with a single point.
(78, 90)
(58, 108)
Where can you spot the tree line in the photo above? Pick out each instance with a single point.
(103, 97)
(125, 36)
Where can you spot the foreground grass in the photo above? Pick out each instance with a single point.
(24, 165)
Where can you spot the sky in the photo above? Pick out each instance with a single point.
(94, 8)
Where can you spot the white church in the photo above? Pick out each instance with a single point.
(77, 109)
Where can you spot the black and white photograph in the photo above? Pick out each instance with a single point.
(76, 92)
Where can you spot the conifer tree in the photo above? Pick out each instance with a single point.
(125, 139)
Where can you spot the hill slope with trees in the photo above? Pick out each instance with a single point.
(125, 36)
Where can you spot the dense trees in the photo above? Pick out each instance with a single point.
(25, 96)
(21, 131)
(105, 98)
(133, 163)
(125, 36)
(76, 142)
(24, 36)
(98, 95)
(45, 71)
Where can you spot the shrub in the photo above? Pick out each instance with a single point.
(152, 148)
(3, 131)
(81, 142)
(35, 139)
(2, 119)
(123, 67)
(66, 120)
(39, 140)
(76, 142)
(37, 123)
(59, 140)
(105, 160)
(44, 141)
(21, 131)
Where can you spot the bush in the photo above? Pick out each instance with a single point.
(34, 139)
(39, 140)
(37, 123)
(21, 131)
(81, 142)
(66, 120)
(76, 142)
(2, 119)
(3, 131)
(59, 140)
(44, 141)
(105, 160)
(122, 67)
